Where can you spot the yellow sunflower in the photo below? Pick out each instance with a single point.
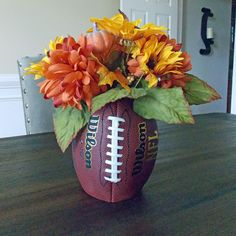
(116, 25)
(154, 58)
(125, 29)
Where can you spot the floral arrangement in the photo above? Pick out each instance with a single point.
(118, 58)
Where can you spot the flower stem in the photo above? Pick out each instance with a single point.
(138, 81)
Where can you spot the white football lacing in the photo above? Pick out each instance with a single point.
(114, 147)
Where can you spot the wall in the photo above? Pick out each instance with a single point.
(214, 67)
(26, 28)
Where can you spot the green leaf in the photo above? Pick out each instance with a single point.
(199, 92)
(67, 123)
(137, 93)
(143, 84)
(168, 105)
(113, 95)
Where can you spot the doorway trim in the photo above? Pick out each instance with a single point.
(231, 93)
(180, 21)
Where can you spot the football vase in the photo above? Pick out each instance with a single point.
(115, 153)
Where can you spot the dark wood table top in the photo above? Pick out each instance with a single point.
(192, 190)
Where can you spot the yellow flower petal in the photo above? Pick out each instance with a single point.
(116, 25)
(118, 18)
(108, 77)
(148, 30)
(152, 80)
(53, 43)
(36, 69)
(136, 50)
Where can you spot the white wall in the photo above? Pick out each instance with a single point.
(11, 108)
(212, 68)
(26, 27)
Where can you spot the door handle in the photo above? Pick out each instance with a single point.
(207, 41)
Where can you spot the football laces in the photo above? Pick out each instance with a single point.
(114, 158)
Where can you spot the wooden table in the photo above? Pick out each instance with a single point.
(192, 190)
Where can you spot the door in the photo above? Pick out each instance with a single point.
(161, 12)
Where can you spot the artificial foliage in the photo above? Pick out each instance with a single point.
(115, 59)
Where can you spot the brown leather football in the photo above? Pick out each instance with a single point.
(115, 154)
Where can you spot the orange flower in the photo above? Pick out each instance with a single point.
(71, 75)
(134, 67)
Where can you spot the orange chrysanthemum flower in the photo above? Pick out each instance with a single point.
(71, 75)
